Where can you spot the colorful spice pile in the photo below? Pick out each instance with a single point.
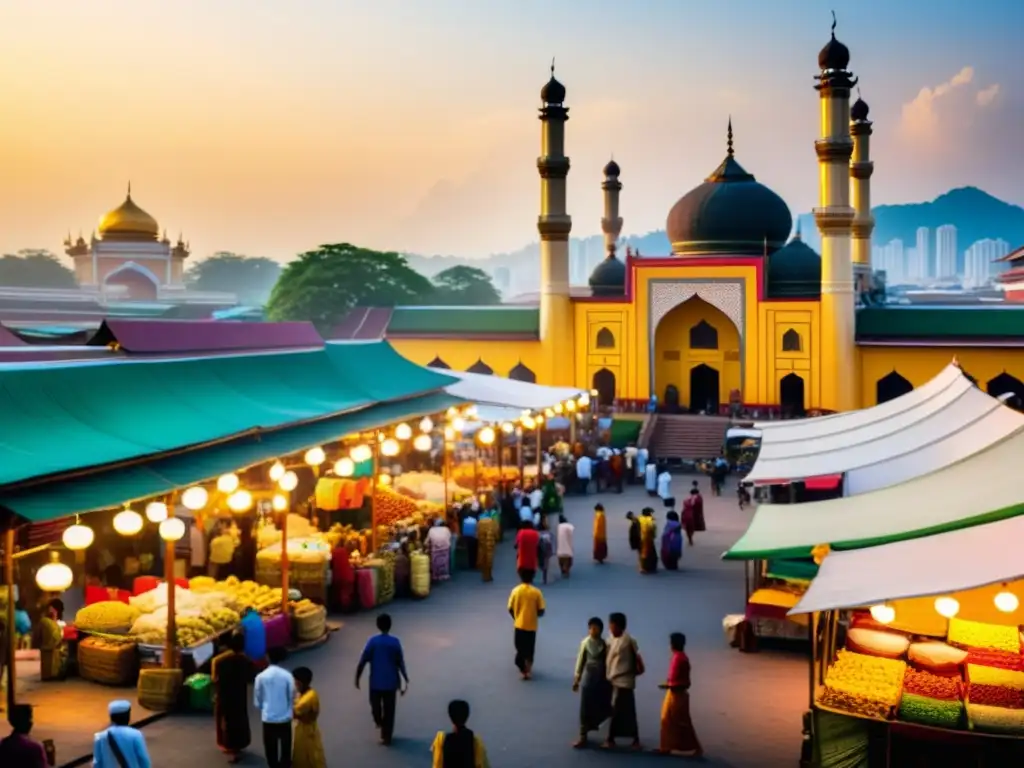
(864, 685)
(933, 686)
(998, 659)
(974, 634)
(995, 699)
(930, 699)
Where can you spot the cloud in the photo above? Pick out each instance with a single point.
(986, 96)
(919, 121)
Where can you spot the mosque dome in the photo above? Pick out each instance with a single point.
(612, 169)
(859, 110)
(834, 55)
(128, 222)
(794, 271)
(608, 278)
(729, 214)
(553, 91)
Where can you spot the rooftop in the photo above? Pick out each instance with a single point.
(499, 322)
(998, 325)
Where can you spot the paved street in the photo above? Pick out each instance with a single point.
(458, 643)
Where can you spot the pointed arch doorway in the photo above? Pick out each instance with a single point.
(891, 386)
(791, 395)
(604, 383)
(705, 389)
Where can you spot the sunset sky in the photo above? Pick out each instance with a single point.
(266, 128)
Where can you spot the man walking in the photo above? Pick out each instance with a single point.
(120, 745)
(383, 653)
(273, 695)
(624, 665)
(19, 749)
(526, 606)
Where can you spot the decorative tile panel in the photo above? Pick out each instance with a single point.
(725, 296)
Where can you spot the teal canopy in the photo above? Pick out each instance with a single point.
(75, 416)
(112, 487)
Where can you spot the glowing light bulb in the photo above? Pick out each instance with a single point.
(422, 443)
(449, 434)
(570, 405)
(195, 498)
(883, 614)
(55, 576)
(548, 413)
(384, 479)
(78, 536)
(361, 453)
(280, 502)
(403, 431)
(228, 483)
(1006, 601)
(426, 425)
(289, 481)
(240, 501)
(559, 408)
(344, 467)
(584, 400)
(315, 457)
(128, 522)
(390, 447)
(947, 607)
(508, 427)
(156, 511)
(486, 435)
(458, 424)
(276, 471)
(172, 529)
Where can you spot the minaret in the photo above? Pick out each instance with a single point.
(834, 217)
(611, 222)
(554, 226)
(861, 169)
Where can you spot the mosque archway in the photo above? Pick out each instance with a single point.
(1005, 384)
(693, 334)
(891, 386)
(791, 341)
(604, 383)
(437, 362)
(480, 367)
(605, 339)
(522, 373)
(140, 284)
(791, 395)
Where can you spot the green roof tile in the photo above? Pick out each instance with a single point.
(465, 321)
(940, 323)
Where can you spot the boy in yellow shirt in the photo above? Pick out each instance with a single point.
(525, 606)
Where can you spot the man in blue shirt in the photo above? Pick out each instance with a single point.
(255, 636)
(469, 523)
(383, 653)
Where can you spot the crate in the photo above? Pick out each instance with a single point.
(158, 689)
(107, 662)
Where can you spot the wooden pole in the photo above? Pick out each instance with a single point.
(373, 490)
(285, 566)
(444, 468)
(540, 455)
(476, 468)
(171, 641)
(520, 437)
(11, 642)
(501, 476)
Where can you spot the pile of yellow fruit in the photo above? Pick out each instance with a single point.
(864, 685)
(304, 607)
(975, 634)
(249, 594)
(111, 617)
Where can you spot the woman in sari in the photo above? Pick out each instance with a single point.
(231, 672)
(690, 517)
(461, 748)
(648, 546)
(439, 542)
(52, 651)
(672, 542)
(308, 749)
(343, 578)
(677, 734)
(591, 682)
(600, 534)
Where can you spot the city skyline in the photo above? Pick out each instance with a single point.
(974, 266)
(266, 130)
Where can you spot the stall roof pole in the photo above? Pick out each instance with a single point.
(373, 491)
(171, 641)
(285, 563)
(540, 457)
(9, 637)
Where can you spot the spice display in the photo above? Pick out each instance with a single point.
(934, 686)
(975, 634)
(979, 675)
(941, 713)
(996, 696)
(995, 719)
(864, 685)
(1000, 659)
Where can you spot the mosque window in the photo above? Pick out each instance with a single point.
(703, 336)
(437, 362)
(791, 341)
(522, 373)
(605, 339)
(480, 367)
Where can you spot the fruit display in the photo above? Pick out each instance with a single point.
(249, 594)
(869, 686)
(110, 617)
(975, 634)
(940, 713)
(391, 506)
(386, 588)
(995, 719)
(468, 475)
(922, 683)
(1006, 678)
(999, 659)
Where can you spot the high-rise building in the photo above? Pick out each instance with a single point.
(923, 252)
(891, 259)
(979, 261)
(945, 252)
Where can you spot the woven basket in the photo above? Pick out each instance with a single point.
(108, 663)
(158, 689)
(312, 626)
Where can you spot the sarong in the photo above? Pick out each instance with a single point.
(440, 563)
(624, 725)
(677, 732)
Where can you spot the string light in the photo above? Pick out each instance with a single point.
(458, 424)
(156, 511)
(361, 453)
(195, 498)
(883, 614)
(241, 501)
(344, 467)
(1006, 601)
(426, 425)
(390, 447)
(486, 435)
(423, 443)
(508, 427)
(279, 502)
(403, 431)
(289, 481)
(315, 457)
(947, 607)
(276, 471)
(128, 522)
(228, 483)
(172, 529)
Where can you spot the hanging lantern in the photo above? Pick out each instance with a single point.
(426, 425)
(195, 498)
(172, 529)
(390, 447)
(947, 607)
(548, 413)
(55, 576)
(156, 511)
(422, 443)
(289, 481)
(78, 536)
(276, 471)
(528, 422)
(384, 479)
(570, 405)
(449, 434)
(883, 614)
(403, 431)
(540, 418)
(558, 408)
(508, 427)
(584, 400)
(458, 423)
(486, 436)
(228, 483)
(1006, 601)
(452, 412)
(314, 457)
(280, 502)
(240, 501)
(128, 522)
(344, 467)
(361, 453)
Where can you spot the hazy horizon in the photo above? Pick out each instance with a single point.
(267, 129)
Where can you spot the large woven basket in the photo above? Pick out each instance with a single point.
(311, 626)
(159, 689)
(107, 662)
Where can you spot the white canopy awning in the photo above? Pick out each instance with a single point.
(482, 389)
(980, 489)
(933, 565)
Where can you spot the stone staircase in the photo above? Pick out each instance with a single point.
(682, 437)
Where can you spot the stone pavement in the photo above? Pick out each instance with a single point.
(458, 643)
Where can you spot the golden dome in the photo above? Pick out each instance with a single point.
(128, 222)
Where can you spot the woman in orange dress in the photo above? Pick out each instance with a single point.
(677, 734)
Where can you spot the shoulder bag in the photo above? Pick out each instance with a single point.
(116, 749)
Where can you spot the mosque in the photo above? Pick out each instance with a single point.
(736, 314)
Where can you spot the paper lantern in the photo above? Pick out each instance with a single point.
(390, 447)
(55, 576)
(384, 479)
(458, 423)
(948, 607)
(508, 427)
(78, 536)
(403, 431)
(584, 400)
(276, 471)
(241, 501)
(172, 529)
(559, 408)
(156, 511)
(128, 522)
(361, 453)
(548, 413)
(228, 483)
(1006, 601)
(195, 498)
(426, 425)
(422, 443)
(315, 457)
(280, 502)
(289, 481)
(528, 422)
(486, 436)
(570, 405)
(449, 434)
(883, 614)
(344, 467)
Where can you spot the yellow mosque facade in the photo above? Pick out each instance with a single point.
(740, 313)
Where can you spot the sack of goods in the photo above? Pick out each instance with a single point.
(310, 620)
(419, 567)
(110, 617)
(108, 661)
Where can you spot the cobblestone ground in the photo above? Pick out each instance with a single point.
(458, 643)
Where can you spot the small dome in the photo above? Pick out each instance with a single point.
(553, 91)
(834, 55)
(859, 110)
(608, 278)
(128, 222)
(794, 272)
(612, 169)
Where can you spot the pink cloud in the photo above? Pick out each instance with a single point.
(986, 96)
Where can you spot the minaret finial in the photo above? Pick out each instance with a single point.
(797, 235)
(833, 25)
(552, 66)
(728, 141)
(129, 190)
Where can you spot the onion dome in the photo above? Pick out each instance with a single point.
(834, 56)
(859, 110)
(553, 91)
(128, 222)
(608, 278)
(612, 169)
(794, 271)
(729, 214)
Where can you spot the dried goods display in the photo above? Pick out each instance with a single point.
(924, 683)
(875, 643)
(981, 675)
(995, 719)
(110, 617)
(864, 685)
(1000, 659)
(390, 506)
(996, 696)
(937, 657)
(975, 634)
(941, 713)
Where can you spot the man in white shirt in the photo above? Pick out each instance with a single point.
(536, 499)
(664, 485)
(651, 479)
(584, 470)
(273, 695)
(641, 462)
(564, 547)
(120, 744)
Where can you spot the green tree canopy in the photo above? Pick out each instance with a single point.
(324, 285)
(464, 285)
(35, 268)
(250, 278)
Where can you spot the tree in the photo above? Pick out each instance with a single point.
(464, 285)
(35, 268)
(324, 285)
(250, 278)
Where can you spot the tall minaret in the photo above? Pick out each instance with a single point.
(861, 169)
(834, 217)
(554, 226)
(611, 222)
